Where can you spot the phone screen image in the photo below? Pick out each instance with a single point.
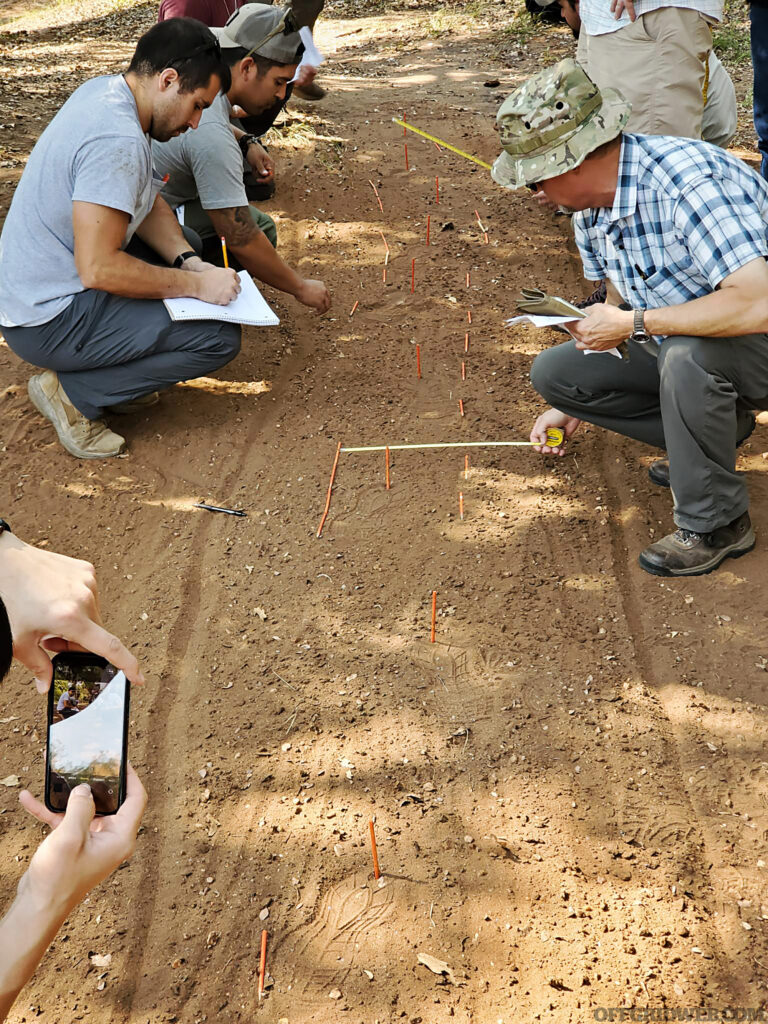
(87, 729)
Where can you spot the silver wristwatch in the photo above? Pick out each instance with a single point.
(639, 333)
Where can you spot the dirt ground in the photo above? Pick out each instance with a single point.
(569, 786)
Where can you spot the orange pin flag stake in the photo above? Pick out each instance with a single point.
(376, 193)
(224, 251)
(467, 279)
(330, 489)
(466, 467)
(418, 361)
(461, 406)
(413, 276)
(386, 467)
(428, 220)
(262, 963)
(384, 240)
(466, 342)
(434, 616)
(480, 223)
(485, 238)
(463, 370)
(461, 505)
(352, 311)
(374, 851)
(469, 316)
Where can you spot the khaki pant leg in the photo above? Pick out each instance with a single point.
(659, 63)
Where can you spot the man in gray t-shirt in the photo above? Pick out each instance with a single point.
(205, 168)
(72, 300)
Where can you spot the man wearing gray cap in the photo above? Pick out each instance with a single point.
(680, 229)
(260, 45)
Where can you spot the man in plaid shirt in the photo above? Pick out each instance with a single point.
(680, 230)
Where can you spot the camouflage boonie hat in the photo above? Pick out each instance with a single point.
(553, 122)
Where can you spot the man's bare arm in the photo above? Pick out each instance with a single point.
(101, 263)
(259, 257)
(739, 306)
(161, 231)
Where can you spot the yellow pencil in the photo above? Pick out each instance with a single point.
(224, 251)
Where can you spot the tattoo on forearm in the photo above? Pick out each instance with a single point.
(238, 226)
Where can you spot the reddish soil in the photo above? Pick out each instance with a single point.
(569, 786)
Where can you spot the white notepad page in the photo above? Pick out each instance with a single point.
(248, 308)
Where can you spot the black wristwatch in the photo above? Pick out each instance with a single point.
(5, 527)
(244, 142)
(639, 333)
(179, 261)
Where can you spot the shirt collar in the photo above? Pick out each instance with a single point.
(625, 200)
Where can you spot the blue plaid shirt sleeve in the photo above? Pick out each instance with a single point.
(722, 228)
(593, 268)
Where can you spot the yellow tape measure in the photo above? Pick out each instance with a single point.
(555, 437)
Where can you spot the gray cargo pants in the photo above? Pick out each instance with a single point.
(108, 349)
(691, 396)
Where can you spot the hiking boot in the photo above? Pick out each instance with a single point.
(312, 91)
(83, 438)
(257, 191)
(135, 404)
(658, 471)
(686, 553)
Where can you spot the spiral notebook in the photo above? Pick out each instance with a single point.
(248, 308)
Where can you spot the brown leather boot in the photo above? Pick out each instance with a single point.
(686, 553)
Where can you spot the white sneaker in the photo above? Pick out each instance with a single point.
(83, 438)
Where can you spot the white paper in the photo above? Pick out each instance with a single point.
(556, 321)
(542, 321)
(249, 307)
(179, 211)
(311, 55)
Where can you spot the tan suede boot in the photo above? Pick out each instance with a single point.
(83, 438)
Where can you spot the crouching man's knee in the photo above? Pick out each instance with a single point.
(265, 223)
(543, 374)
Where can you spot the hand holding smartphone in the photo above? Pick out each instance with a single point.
(88, 706)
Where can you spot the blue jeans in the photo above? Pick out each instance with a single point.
(759, 18)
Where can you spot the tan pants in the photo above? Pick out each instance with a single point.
(659, 63)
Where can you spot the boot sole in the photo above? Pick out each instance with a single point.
(43, 405)
(744, 546)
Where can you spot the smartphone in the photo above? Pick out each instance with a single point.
(87, 731)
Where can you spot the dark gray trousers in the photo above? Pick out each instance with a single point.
(108, 349)
(691, 396)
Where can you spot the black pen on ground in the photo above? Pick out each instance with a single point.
(217, 508)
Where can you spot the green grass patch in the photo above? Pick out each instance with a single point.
(731, 37)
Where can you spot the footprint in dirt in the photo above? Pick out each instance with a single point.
(474, 682)
(325, 951)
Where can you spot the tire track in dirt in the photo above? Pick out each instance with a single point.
(683, 820)
(168, 734)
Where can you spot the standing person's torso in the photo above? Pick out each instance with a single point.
(597, 18)
(214, 13)
(94, 150)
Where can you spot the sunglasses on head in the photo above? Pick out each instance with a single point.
(199, 51)
(535, 187)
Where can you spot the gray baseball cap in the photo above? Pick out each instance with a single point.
(264, 31)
